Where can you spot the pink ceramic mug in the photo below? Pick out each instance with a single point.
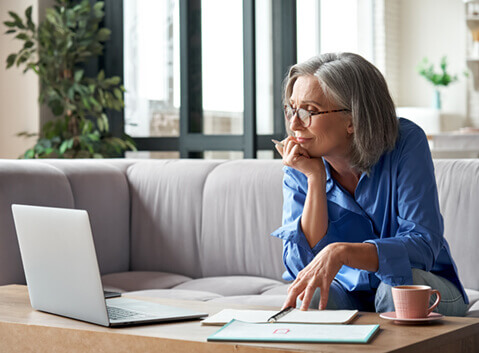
(412, 302)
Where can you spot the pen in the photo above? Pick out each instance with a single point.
(280, 314)
(276, 142)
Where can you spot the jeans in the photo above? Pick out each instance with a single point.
(451, 304)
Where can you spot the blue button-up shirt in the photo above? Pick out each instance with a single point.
(395, 208)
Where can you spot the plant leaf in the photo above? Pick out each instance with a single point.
(29, 154)
(103, 35)
(28, 14)
(106, 122)
(11, 60)
(78, 75)
(10, 24)
(63, 147)
(100, 124)
(117, 93)
(22, 36)
(18, 20)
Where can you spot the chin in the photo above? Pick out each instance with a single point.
(314, 154)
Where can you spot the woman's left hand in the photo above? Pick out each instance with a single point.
(318, 274)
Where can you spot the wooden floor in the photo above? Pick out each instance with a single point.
(23, 329)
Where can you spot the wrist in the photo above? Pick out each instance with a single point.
(342, 252)
(316, 179)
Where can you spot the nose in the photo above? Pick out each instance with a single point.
(295, 123)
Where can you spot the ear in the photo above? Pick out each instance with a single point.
(350, 127)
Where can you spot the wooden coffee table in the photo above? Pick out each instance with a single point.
(23, 329)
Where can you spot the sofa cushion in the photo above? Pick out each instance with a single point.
(242, 205)
(230, 285)
(29, 183)
(458, 187)
(102, 190)
(281, 289)
(176, 294)
(166, 208)
(275, 301)
(473, 296)
(141, 280)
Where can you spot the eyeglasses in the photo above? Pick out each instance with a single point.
(305, 115)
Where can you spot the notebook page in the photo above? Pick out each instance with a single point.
(226, 315)
(319, 316)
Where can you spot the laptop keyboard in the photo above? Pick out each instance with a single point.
(115, 313)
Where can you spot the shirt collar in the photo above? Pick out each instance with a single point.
(339, 196)
(329, 179)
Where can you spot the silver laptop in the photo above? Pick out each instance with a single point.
(62, 274)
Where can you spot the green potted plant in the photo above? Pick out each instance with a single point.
(56, 50)
(439, 79)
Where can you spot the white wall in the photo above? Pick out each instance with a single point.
(433, 28)
(19, 110)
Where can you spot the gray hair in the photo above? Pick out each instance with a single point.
(355, 84)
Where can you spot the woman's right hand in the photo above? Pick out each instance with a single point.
(297, 157)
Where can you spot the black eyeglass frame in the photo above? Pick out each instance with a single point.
(309, 114)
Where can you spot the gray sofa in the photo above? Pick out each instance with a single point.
(196, 229)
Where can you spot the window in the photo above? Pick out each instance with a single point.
(222, 66)
(151, 69)
(333, 26)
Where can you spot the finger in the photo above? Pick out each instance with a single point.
(296, 153)
(295, 289)
(287, 147)
(290, 143)
(323, 301)
(279, 148)
(304, 152)
(308, 295)
(290, 301)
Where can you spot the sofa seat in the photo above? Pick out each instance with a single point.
(276, 301)
(180, 294)
(231, 285)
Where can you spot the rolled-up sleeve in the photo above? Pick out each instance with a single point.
(297, 253)
(419, 235)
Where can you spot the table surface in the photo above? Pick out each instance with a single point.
(23, 329)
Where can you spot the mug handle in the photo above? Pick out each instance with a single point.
(436, 303)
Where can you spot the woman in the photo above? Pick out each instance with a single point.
(361, 211)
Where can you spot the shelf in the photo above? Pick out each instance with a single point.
(473, 24)
(473, 65)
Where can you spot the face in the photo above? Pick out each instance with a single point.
(329, 135)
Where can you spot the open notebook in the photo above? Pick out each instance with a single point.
(295, 316)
